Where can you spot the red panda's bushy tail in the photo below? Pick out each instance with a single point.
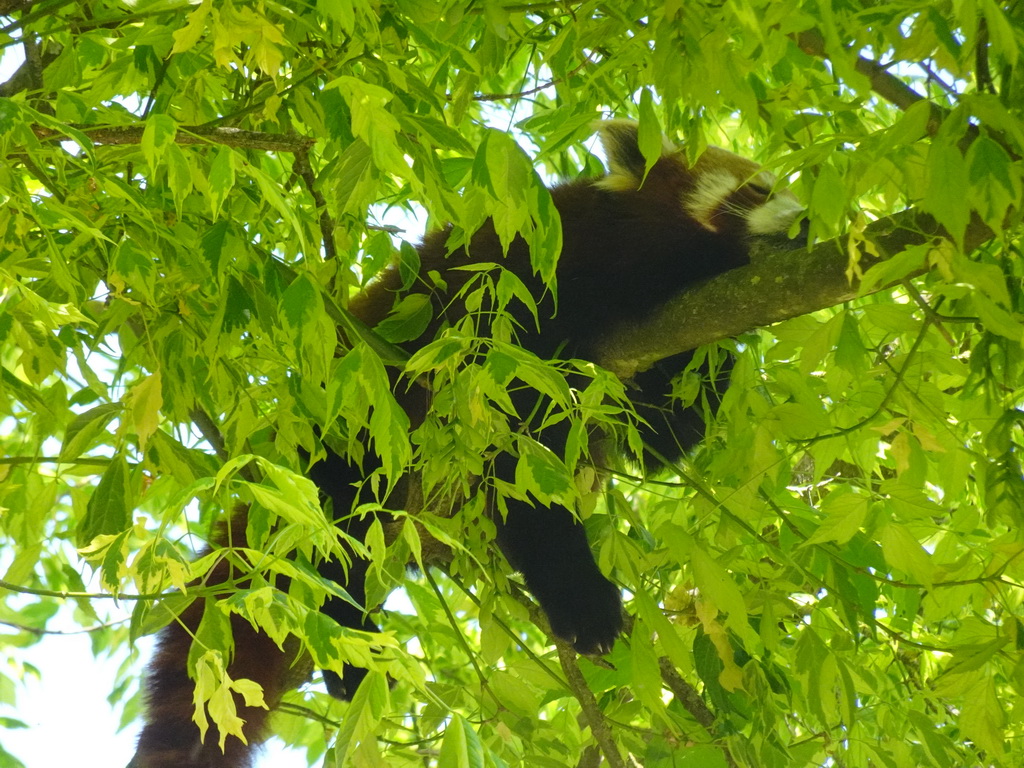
(170, 738)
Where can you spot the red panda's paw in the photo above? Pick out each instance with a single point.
(586, 612)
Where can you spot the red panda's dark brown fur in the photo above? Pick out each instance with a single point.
(171, 737)
(628, 246)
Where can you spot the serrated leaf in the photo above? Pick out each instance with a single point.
(213, 633)
(906, 262)
(300, 303)
(356, 178)
(944, 197)
(213, 245)
(408, 264)
(221, 179)
(408, 320)
(179, 175)
(983, 717)
(145, 401)
(81, 434)
(543, 474)
(646, 677)
(828, 200)
(715, 584)
(157, 136)
(904, 552)
(846, 514)
(186, 37)
(361, 717)
(109, 510)
(113, 566)
(461, 747)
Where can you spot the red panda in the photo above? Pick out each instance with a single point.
(630, 242)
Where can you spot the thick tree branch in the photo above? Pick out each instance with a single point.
(886, 85)
(686, 694)
(777, 285)
(7, 7)
(230, 137)
(29, 76)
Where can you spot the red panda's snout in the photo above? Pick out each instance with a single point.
(730, 192)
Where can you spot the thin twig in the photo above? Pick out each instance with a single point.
(982, 72)
(595, 718)
(68, 595)
(93, 461)
(304, 170)
(84, 630)
(531, 91)
(211, 432)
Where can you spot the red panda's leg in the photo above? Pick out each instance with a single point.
(669, 429)
(549, 547)
(344, 686)
(338, 480)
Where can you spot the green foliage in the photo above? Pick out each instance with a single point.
(190, 196)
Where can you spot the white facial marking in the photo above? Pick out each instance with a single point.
(713, 188)
(774, 216)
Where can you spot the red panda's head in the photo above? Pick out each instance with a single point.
(721, 192)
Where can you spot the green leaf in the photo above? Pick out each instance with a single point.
(408, 264)
(828, 201)
(213, 242)
(846, 512)
(904, 553)
(893, 269)
(944, 197)
(461, 746)
(715, 584)
(646, 678)
(213, 633)
(109, 509)
(408, 320)
(158, 135)
(134, 270)
(82, 433)
(649, 133)
(372, 121)
(9, 114)
(145, 401)
(179, 175)
(362, 718)
(186, 37)
(984, 717)
(356, 178)
(221, 179)
(543, 474)
(300, 304)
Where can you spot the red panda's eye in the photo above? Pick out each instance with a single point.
(761, 189)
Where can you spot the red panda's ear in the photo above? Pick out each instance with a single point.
(626, 165)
